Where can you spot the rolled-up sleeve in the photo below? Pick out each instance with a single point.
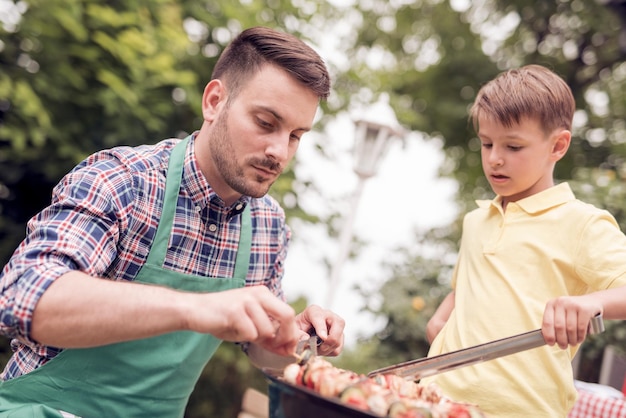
(78, 231)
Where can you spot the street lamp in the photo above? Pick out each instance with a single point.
(373, 134)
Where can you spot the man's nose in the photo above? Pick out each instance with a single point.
(278, 148)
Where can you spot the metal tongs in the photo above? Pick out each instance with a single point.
(307, 349)
(428, 366)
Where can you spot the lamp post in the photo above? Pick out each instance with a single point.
(373, 134)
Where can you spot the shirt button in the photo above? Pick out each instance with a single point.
(239, 206)
(198, 209)
(212, 227)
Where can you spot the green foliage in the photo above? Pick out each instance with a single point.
(81, 76)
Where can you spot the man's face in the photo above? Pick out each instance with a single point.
(254, 137)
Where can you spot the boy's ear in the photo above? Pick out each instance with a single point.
(213, 99)
(561, 143)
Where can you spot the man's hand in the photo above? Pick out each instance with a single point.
(251, 314)
(327, 325)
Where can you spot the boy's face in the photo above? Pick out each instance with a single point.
(519, 160)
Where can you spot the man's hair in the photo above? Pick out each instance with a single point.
(259, 46)
(532, 91)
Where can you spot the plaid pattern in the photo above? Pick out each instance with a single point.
(591, 405)
(102, 220)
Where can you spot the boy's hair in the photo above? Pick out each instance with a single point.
(258, 46)
(532, 92)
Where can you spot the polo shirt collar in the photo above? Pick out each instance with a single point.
(547, 199)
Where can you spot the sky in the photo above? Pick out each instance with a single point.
(405, 194)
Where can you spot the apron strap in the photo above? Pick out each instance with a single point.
(158, 250)
(245, 243)
(156, 257)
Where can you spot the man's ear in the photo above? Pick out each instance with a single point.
(562, 139)
(213, 99)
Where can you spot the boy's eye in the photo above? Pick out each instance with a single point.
(486, 145)
(514, 147)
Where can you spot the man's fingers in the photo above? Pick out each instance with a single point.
(276, 323)
(264, 326)
(328, 326)
(316, 318)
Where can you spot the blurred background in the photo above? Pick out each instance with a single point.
(77, 76)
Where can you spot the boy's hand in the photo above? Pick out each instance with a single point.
(566, 319)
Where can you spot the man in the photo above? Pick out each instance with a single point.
(149, 257)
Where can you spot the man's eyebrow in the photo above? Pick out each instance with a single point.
(280, 118)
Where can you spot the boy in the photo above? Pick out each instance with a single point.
(533, 257)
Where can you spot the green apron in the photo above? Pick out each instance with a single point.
(152, 377)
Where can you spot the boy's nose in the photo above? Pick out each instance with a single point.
(495, 159)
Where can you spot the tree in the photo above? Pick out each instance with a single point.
(80, 76)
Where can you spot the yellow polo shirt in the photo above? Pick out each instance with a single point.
(510, 264)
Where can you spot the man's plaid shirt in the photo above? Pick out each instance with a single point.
(102, 220)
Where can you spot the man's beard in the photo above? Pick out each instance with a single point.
(224, 157)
